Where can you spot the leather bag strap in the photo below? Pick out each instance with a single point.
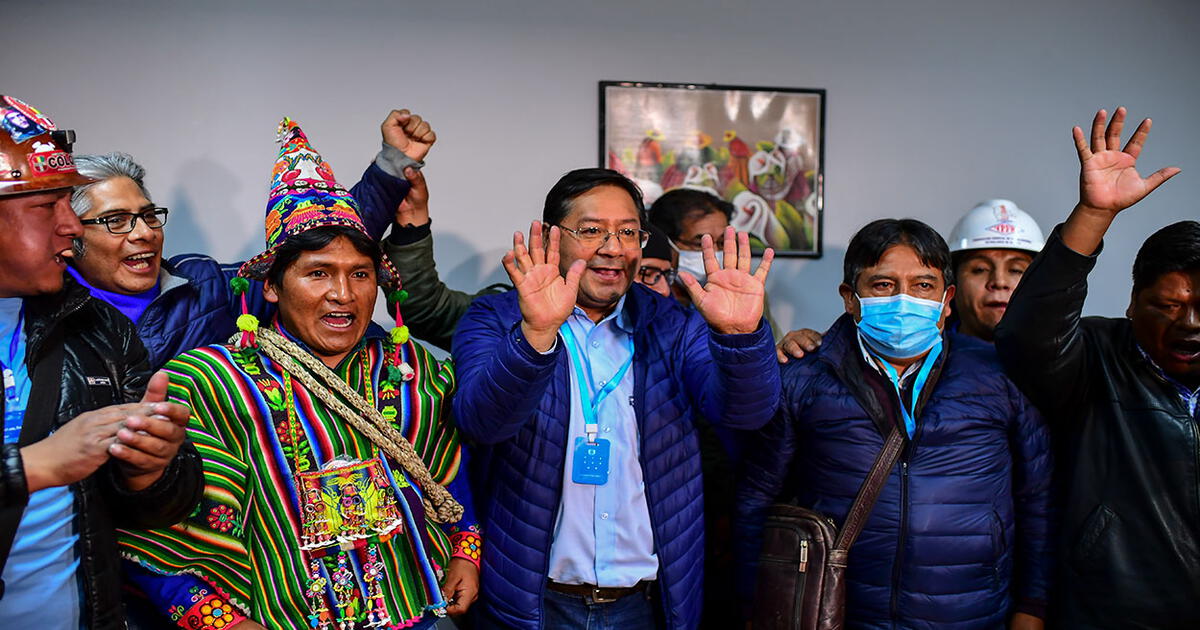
(868, 493)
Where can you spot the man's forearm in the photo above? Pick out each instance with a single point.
(501, 379)
(432, 310)
(1039, 338)
(1085, 229)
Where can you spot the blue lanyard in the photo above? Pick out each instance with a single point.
(589, 404)
(910, 423)
(10, 378)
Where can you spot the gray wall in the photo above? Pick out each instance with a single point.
(932, 105)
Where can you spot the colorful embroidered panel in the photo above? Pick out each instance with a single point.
(375, 559)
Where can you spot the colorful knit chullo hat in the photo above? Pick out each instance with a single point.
(304, 196)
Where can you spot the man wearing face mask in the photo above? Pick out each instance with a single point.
(958, 536)
(685, 215)
(990, 247)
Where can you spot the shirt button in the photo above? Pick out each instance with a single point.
(604, 516)
(595, 344)
(608, 429)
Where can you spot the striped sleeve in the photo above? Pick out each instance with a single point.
(209, 543)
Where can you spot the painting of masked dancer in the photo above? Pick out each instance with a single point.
(760, 149)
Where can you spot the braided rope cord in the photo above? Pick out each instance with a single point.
(364, 417)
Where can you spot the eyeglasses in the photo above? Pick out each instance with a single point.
(595, 237)
(651, 275)
(125, 222)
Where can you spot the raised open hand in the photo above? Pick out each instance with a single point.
(731, 300)
(545, 296)
(409, 133)
(1108, 177)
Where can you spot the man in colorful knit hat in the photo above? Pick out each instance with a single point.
(330, 474)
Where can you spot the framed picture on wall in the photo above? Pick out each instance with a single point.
(760, 148)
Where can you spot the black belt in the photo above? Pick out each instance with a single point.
(599, 594)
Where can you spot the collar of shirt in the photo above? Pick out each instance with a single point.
(1190, 397)
(618, 316)
(874, 363)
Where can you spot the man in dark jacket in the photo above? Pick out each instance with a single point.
(592, 501)
(958, 536)
(1123, 394)
(79, 457)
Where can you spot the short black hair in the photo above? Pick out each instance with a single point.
(870, 243)
(669, 211)
(581, 180)
(657, 246)
(1173, 248)
(315, 239)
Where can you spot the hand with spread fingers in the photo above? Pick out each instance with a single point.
(409, 133)
(731, 300)
(546, 297)
(1108, 179)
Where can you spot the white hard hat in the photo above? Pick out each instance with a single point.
(996, 224)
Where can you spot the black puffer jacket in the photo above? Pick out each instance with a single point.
(1128, 454)
(82, 355)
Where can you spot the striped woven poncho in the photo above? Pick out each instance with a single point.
(246, 536)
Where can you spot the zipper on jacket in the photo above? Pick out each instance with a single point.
(803, 556)
(896, 562)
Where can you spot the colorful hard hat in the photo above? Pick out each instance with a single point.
(34, 154)
(996, 224)
(305, 195)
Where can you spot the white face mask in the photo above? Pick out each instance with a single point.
(693, 262)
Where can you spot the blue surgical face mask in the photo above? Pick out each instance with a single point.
(900, 326)
(693, 262)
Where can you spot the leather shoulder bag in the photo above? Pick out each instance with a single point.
(802, 567)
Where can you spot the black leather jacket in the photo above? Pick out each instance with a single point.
(83, 354)
(1129, 456)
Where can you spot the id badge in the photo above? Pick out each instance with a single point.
(591, 462)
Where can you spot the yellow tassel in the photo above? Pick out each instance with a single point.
(399, 335)
(247, 323)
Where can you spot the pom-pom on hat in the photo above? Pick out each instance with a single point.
(305, 195)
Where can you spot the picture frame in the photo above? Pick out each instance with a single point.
(762, 149)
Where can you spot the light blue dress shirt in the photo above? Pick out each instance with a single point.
(40, 586)
(602, 534)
